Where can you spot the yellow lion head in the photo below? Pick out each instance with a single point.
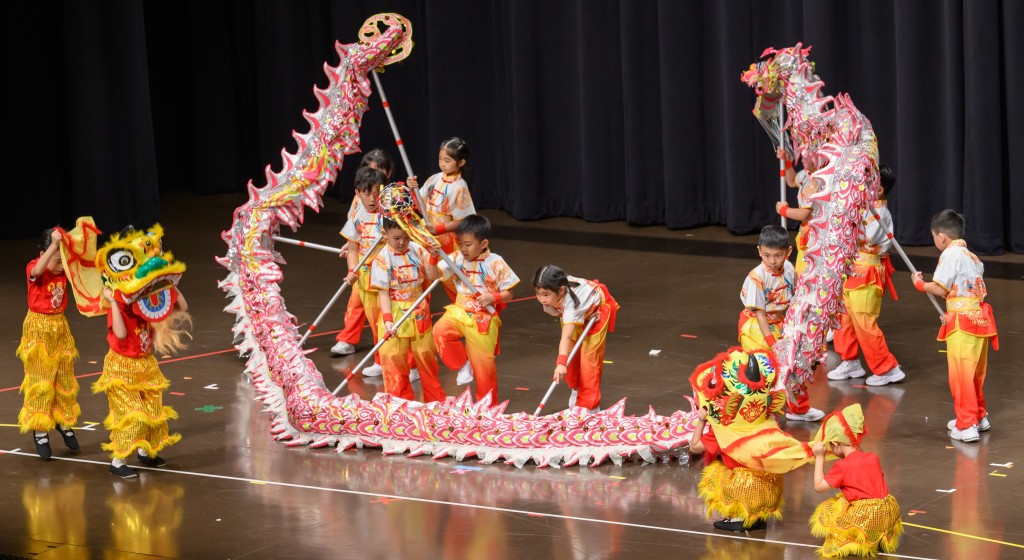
(134, 264)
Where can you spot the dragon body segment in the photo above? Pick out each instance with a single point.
(306, 413)
(832, 131)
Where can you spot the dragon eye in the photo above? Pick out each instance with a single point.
(120, 261)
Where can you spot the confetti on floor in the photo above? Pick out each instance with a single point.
(950, 491)
(92, 361)
(654, 352)
(1004, 465)
(609, 362)
(942, 351)
(212, 387)
(187, 378)
(996, 473)
(209, 408)
(688, 335)
(176, 394)
(917, 512)
(522, 388)
(618, 477)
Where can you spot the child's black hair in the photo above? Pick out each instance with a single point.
(888, 179)
(458, 149)
(368, 179)
(45, 240)
(774, 237)
(950, 223)
(387, 224)
(550, 277)
(476, 224)
(380, 158)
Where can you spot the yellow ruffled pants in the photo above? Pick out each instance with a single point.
(48, 352)
(744, 493)
(857, 528)
(137, 418)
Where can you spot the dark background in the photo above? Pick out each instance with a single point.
(604, 110)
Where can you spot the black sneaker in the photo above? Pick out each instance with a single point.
(124, 471)
(156, 462)
(737, 526)
(43, 446)
(69, 439)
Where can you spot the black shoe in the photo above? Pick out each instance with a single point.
(69, 439)
(737, 526)
(156, 462)
(43, 446)
(124, 471)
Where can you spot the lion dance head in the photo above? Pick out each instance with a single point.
(144, 277)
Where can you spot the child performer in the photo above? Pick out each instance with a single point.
(398, 275)
(446, 195)
(736, 400)
(134, 383)
(862, 296)
(968, 325)
(374, 159)
(807, 186)
(361, 231)
(468, 317)
(48, 351)
(576, 301)
(766, 291)
(765, 294)
(863, 518)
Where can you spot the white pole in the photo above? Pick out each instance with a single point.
(572, 354)
(398, 141)
(335, 250)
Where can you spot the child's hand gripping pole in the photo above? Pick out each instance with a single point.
(387, 336)
(398, 142)
(377, 243)
(462, 276)
(317, 246)
(575, 348)
(906, 260)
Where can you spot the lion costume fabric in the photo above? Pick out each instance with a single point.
(736, 390)
(143, 279)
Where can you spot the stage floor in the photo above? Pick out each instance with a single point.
(230, 491)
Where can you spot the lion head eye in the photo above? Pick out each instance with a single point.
(121, 260)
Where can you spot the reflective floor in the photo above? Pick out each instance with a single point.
(230, 492)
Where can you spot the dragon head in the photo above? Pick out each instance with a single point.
(134, 265)
(735, 387)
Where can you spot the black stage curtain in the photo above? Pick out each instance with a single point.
(598, 109)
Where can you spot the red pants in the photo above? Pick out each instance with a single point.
(355, 316)
(859, 332)
(584, 371)
(480, 349)
(967, 356)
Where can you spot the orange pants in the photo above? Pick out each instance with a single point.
(859, 330)
(480, 348)
(394, 359)
(967, 356)
(584, 371)
(361, 303)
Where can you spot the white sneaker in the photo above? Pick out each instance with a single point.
(894, 375)
(983, 426)
(465, 374)
(414, 374)
(812, 415)
(373, 371)
(572, 398)
(966, 435)
(848, 369)
(831, 335)
(343, 348)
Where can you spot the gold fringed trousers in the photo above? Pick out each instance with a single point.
(137, 418)
(857, 528)
(741, 493)
(50, 388)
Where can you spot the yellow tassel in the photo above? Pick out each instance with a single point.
(744, 493)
